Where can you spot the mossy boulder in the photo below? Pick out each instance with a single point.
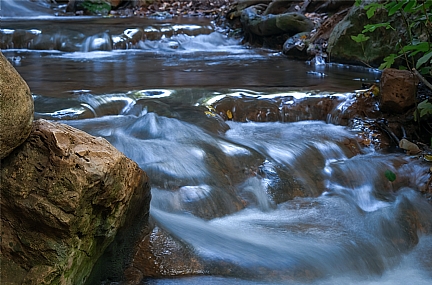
(268, 25)
(382, 42)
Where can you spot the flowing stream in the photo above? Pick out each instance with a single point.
(259, 192)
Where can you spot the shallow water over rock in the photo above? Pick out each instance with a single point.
(251, 183)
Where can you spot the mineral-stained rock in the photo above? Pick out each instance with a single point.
(65, 195)
(398, 90)
(16, 108)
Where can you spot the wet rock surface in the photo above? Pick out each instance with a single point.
(65, 197)
(160, 255)
(278, 109)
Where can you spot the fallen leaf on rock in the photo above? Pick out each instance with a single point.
(229, 114)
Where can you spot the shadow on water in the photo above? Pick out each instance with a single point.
(281, 202)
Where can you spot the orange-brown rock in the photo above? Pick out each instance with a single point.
(65, 195)
(160, 255)
(16, 108)
(398, 90)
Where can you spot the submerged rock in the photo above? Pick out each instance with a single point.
(16, 108)
(65, 197)
(160, 255)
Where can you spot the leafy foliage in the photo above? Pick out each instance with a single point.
(388, 61)
(424, 109)
(416, 51)
(417, 17)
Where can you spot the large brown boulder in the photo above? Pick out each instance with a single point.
(16, 108)
(65, 195)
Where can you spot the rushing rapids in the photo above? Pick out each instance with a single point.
(267, 194)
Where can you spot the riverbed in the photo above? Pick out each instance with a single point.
(262, 200)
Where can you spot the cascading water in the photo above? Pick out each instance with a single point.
(276, 202)
(287, 200)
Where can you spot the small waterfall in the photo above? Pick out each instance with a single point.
(123, 35)
(267, 201)
(98, 42)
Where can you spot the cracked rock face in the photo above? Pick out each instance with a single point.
(64, 196)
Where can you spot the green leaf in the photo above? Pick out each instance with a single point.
(425, 58)
(423, 6)
(421, 47)
(427, 4)
(423, 104)
(396, 7)
(388, 61)
(357, 2)
(426, 70)
(373, 27)
(371, 8)
(359, 38)
(390, 175)
(409, 7)
(425, 108)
